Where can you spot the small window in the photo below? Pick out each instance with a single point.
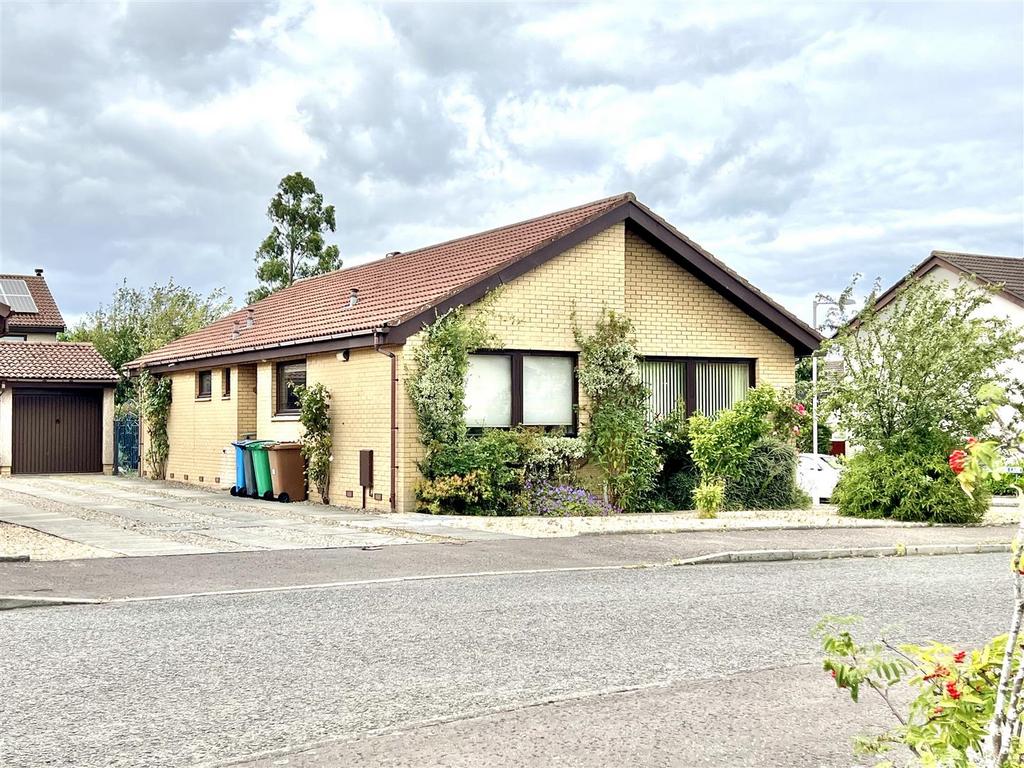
(204, 384)
(226, 383)
(289, 376)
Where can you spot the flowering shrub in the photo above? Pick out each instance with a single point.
(969, 708)
(550, 500)
(554, 457)
(955, 691)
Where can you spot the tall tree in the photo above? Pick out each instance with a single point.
(139, 320)
(295, 246)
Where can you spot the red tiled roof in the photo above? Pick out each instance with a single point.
(54, 361)
(48, 315)
(390, 289)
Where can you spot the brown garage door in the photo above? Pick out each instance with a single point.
(57, 430)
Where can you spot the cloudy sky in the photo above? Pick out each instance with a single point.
(797, 143)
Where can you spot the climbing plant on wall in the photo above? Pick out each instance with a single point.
(620, 443)
(156, 406)
(317, 443)
(437, 377)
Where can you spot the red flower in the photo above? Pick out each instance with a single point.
(959, 657)
(833, 673)
(957, 460)
(971, 442)
(799, 408)
(952, 690)
(939, 672)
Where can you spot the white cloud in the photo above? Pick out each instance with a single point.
(798, 143)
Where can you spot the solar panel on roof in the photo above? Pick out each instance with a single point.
(15, 294)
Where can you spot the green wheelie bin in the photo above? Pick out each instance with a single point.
(261, 467)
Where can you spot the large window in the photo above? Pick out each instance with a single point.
(288, 377)
(707, 386)
(530, 388)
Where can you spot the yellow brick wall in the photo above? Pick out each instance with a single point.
(675, 314)
(360, 420)
(199, 431)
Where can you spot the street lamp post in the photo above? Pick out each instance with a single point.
(819, 300)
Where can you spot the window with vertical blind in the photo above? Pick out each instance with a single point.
(720, 385)
(512, 388)
(705, 385)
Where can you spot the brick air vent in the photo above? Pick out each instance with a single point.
(349, 494)
(378, 497)
(172, 475)
(184, 477)
(200, 478)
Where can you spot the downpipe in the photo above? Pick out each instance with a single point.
(377, 338)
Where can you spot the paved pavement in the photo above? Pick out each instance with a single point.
(143, 518)
(142, 577)
(694, 724)
(184, 682)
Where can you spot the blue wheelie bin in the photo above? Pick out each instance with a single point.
(245, 474)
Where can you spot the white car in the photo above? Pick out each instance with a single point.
(817, 475)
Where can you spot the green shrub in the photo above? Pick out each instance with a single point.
(618, 440)
(479, 475)
(1005, 485)
(553, 458)
(906, 486)
(677, 489)
(767, 480)
(708, 497)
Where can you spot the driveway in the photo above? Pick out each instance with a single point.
(111, 516)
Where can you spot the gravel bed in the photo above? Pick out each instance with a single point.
(19, 540)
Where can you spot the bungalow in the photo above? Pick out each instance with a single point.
(707, 335)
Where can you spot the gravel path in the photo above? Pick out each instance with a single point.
(178, 682)
(18, 540)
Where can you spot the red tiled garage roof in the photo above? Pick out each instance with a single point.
(54, 361)
(48, 316)
(389, 289)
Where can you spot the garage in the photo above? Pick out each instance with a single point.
(57, 430)
(56, 409)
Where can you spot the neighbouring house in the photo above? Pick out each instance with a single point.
(56, 398)
(1006, 273)
(707, 335)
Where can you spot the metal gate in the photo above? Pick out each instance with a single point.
(57, 430)
(126, 443)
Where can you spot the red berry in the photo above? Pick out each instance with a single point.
(959, 657)
(952, 690)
